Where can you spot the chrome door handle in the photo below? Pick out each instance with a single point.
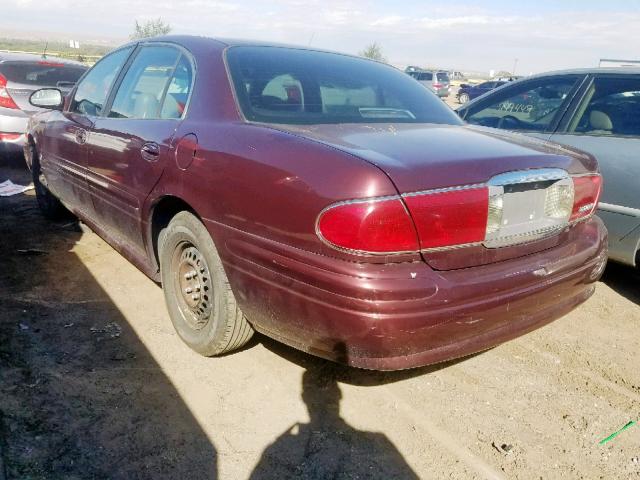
(150, 151)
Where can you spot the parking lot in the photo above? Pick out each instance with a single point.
(96, 384)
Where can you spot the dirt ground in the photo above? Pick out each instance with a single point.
(95, 384)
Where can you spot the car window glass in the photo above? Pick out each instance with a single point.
(142, 89)
(286, 85)
(179, 89)
(611, 107)
(532, 107)
(442, 77)
(93, 89)
(43, 73)
(425, 76)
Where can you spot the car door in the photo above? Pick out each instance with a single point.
(533, 106)
(64, 153)
(129, 145)
(482, 89)
(606, 123)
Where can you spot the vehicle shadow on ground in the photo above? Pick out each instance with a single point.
(82, 397)
(350, 375)
(623, 279)
(327, 446)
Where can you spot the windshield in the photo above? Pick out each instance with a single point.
(295, 86)
(44, 73)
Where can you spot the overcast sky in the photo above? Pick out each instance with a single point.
(473, 35)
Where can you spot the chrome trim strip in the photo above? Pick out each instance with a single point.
(613, 208)
(450, 247)
(69, 169)
(444, 190)
(528, 176)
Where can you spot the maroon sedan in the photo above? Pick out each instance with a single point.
(325, 200)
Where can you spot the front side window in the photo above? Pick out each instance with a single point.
(286, 85)
(142, 91)
(611, 107)
(531, 107)
(93, 89)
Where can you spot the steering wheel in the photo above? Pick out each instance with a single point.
(508, 122)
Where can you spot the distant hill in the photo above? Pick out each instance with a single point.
(86, 53)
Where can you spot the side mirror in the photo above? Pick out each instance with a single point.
(50, 98)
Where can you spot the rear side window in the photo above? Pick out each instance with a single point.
(45, 73)
(177, 96)
(142, 91)
(93, 89)
(425, 76)
(286, 85)
(530, 106)
(611, 107)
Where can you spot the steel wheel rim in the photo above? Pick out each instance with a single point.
(192, 284)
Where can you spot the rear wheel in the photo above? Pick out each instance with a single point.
(201, 305)
(463, 98)
(49, 205)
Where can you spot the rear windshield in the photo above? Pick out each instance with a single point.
(442, 77)
(42, 74)
(295, 86)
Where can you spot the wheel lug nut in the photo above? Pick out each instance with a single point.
(195, 296)
(197, 288)
(188, 290)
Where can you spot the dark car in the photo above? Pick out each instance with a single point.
(468, 92)
(20, 75)
(596, 110)
(328, 201)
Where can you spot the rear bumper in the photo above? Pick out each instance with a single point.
(395, 316)
(12, 145)
(13, 123)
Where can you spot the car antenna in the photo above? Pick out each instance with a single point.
(44, 52)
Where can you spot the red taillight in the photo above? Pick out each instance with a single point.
(372, 226)
(437, 85)
(450, 217)
(5, 99)
(50, 64)
(586, 194)
(9, 136)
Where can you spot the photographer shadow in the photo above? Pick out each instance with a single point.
(327, 446)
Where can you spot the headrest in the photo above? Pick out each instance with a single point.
(600, 120)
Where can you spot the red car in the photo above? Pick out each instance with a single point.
(328, 201)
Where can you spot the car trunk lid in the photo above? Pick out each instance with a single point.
(436, 166)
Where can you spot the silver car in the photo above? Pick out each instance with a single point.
(595, 110)
(20, 76)
(435, 80)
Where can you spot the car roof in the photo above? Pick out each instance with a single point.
(586, 71)
(189, 41)
(32, 57)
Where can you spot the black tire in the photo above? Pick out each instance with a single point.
(463, 98)
(49, 205)
(206, 318)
